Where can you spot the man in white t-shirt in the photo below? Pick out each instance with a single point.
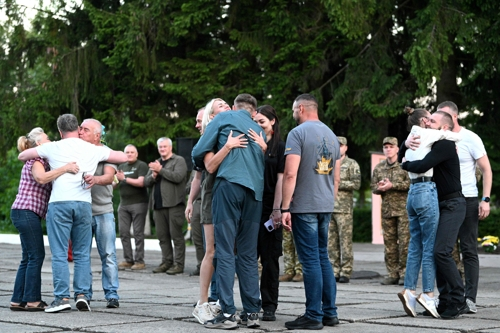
(69, 213)
(471, 152)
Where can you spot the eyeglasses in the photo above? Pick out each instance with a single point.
(83, 183)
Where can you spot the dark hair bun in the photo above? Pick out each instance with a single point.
(409, 110)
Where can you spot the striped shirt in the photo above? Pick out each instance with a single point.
(31, 195)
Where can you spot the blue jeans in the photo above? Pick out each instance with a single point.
(423, 214)
(27, 287)
(103, 227)
(70, 220)
(236, 217)
(310, 234)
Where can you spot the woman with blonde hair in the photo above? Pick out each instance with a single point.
(204, 310)
(29, 207)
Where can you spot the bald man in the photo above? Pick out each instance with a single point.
(133, 208)
(103, 218)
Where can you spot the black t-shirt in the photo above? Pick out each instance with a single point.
(157, 188)
(275, 163)
(443, 158)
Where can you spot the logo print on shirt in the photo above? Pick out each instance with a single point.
(325, 165)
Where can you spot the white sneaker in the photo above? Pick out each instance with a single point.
(409, 302)
(471, 305)
(203, 313)
(429, 303)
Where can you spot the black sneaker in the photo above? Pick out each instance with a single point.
(330, 321)
(222, 322)
(241, 318)
(112, 303)
(269, 316)
(253, 320)
(302, 322)
(454, 310)
(82, 304)
(196, 272)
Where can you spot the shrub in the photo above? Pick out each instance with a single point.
(10, 173)
(362, 225)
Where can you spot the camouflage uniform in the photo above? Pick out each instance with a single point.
(394, 216)
(290, 258)
(340, 230)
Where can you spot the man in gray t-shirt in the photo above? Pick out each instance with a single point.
(103, 217)
(312, 175)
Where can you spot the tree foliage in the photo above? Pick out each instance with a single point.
(144, 67)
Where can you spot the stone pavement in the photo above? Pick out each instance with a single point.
(162, 303)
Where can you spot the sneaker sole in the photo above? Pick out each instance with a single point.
(253, 323)
(432, 311)
(66, 307)
(406, 306)
(224, 326)
(309, 327)
(82, 305)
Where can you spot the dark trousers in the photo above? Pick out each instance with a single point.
(236, 216)
(197, 233)
(269, 249)
(448, 280)
(468, 245)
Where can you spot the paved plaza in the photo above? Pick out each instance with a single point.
(163, 303)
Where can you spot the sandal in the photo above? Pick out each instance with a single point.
(18, 307)
(40, 307)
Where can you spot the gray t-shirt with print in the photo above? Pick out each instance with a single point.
(318, 149)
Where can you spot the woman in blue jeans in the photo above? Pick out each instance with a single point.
(27, 211)
(423, 214)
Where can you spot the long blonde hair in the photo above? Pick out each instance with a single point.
(31, 140)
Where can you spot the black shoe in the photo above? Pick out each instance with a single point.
(389, 281)
(302, 322)
(343, 279)
(330, 321)
(112, 303)
(454, 310)
(269, 316)
(196, 272)
(337, 279)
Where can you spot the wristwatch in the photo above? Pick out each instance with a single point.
(486, 199)
(285, 210)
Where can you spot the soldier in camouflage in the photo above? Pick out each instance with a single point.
(340, 230)
(392, 183)
(293, 268)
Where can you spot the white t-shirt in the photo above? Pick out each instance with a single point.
(470, 149)
(68, 187)
(427, 138)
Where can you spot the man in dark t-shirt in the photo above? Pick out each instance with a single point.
(443, 158)
(133, 208)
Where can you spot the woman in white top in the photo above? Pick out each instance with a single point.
(423, 213)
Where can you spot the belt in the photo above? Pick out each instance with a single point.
(421, 180)
(453, 195)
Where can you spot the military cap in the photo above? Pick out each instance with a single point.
(342, 140)
(390, 139)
